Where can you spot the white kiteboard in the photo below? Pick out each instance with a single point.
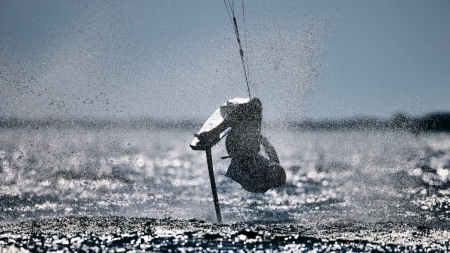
(214, 120)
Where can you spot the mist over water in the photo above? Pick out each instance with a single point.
(337, 182)
(118, 60)
(362, 175)
(122, 61)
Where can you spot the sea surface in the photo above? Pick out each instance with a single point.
(117, 189)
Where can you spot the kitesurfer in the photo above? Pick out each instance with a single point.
(251, 170)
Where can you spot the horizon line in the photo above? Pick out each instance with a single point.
(429, 122)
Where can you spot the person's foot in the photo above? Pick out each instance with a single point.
(206, 136)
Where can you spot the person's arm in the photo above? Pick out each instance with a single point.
(270, 150)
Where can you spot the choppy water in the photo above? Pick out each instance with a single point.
(353, 190)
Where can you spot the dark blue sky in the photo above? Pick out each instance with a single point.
(179, 59)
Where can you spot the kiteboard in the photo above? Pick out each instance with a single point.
(213, 121)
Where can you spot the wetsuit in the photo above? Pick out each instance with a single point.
(252, 171)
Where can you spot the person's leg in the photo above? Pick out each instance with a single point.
(251, 111)
(243, 141)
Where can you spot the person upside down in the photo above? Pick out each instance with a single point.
(251, 170)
